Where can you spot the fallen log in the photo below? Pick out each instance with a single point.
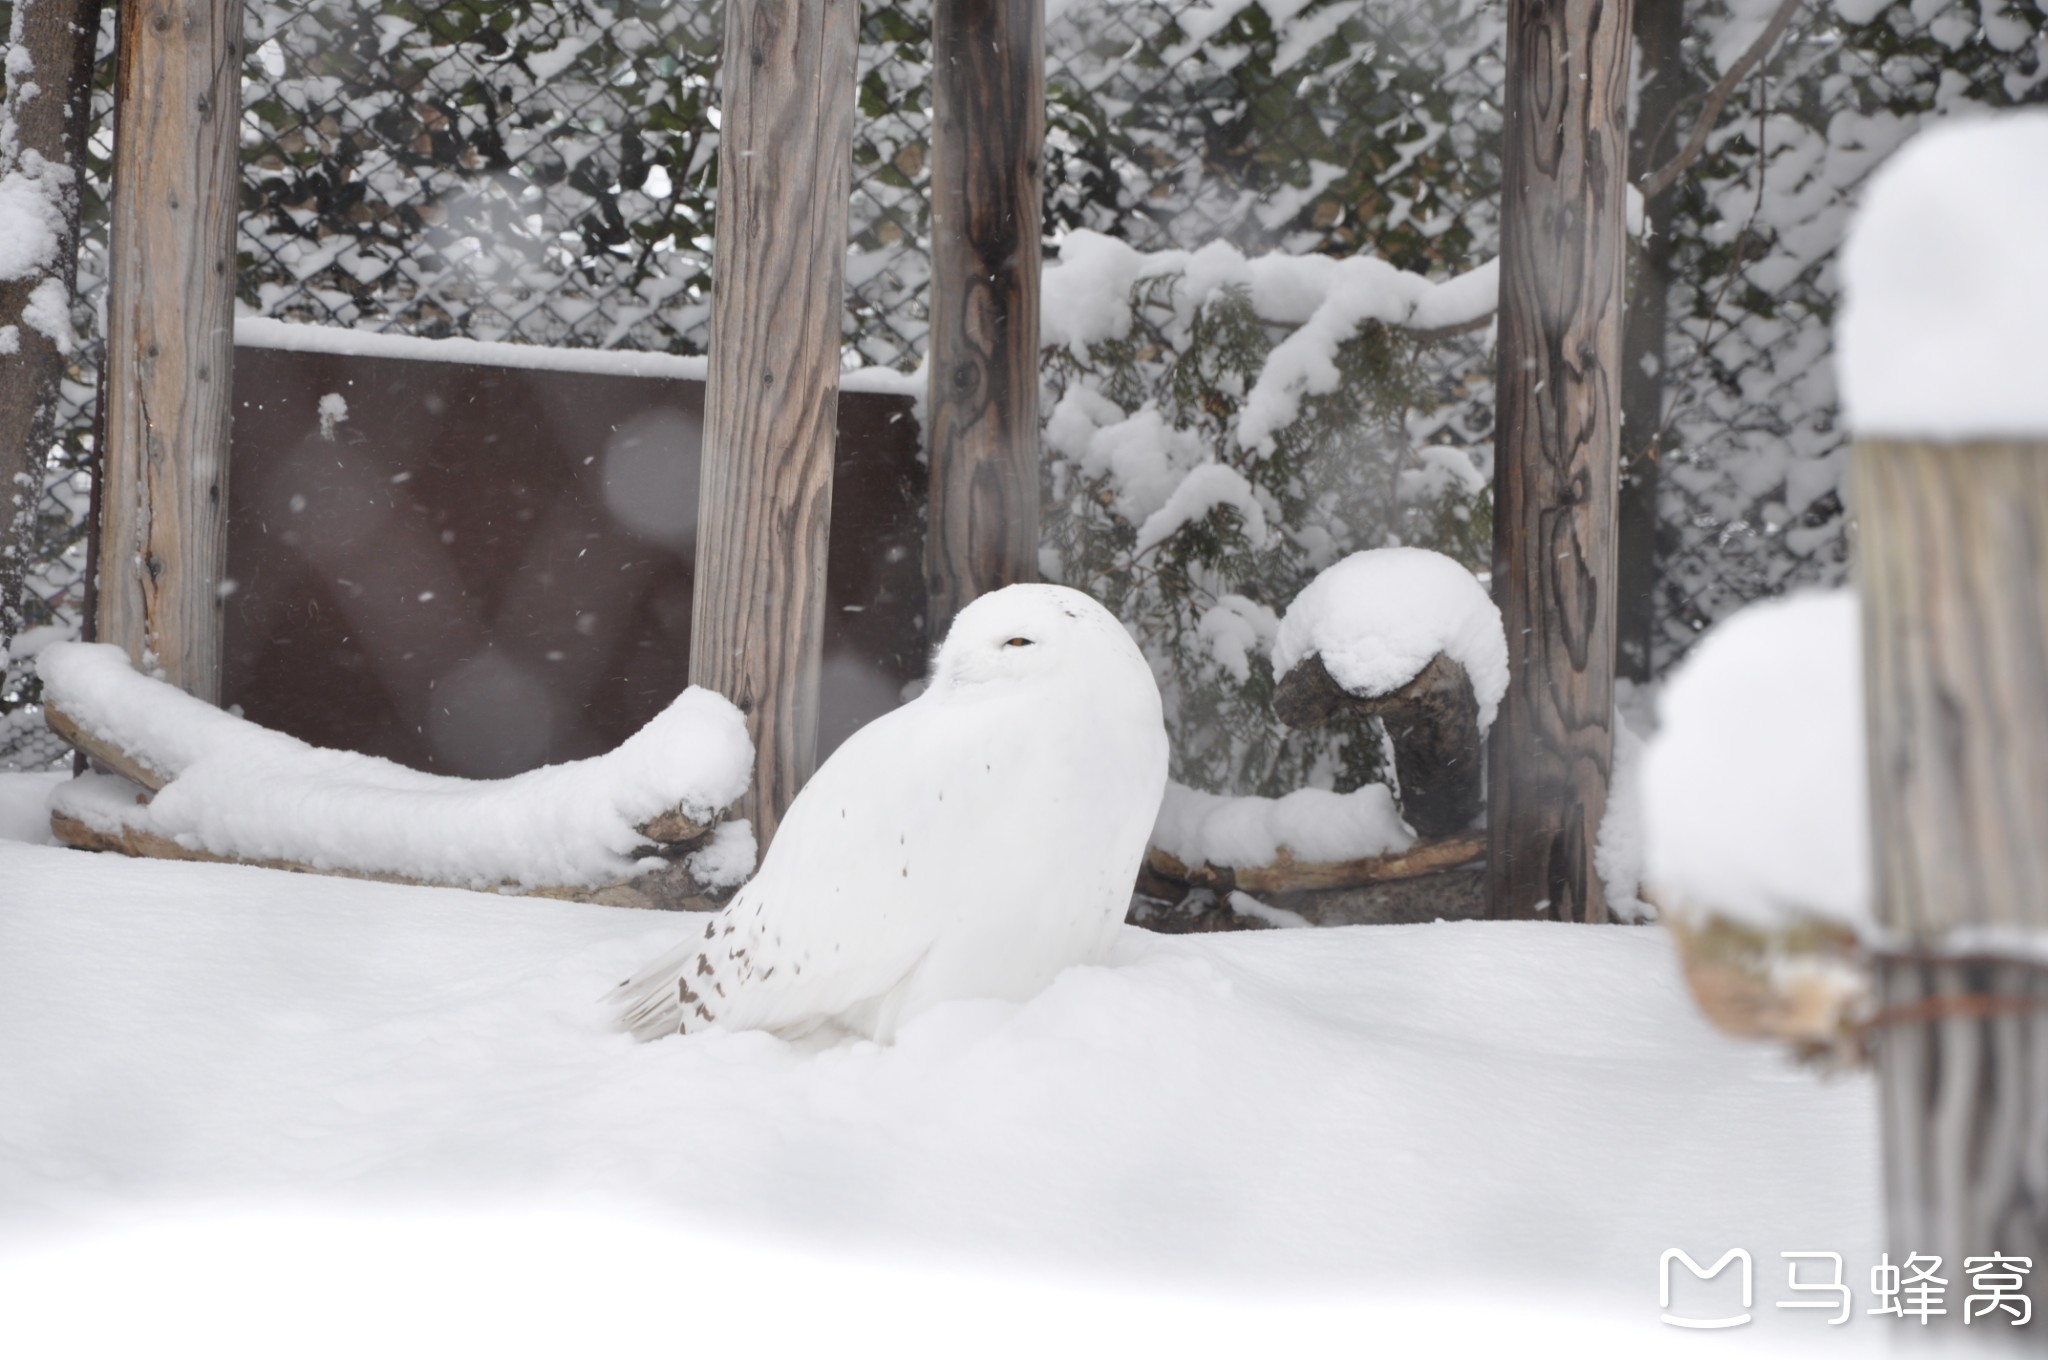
(654, 891)
(1287, 874)
(669, 832)
(184, 780)
(105, 752)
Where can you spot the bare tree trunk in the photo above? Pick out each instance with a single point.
(988, 133)
(1952, 565)
(170, 336)
(1652, 141)
(43, 127)
(771, 400)
(1557, 453)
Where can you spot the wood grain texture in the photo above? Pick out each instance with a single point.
(1953, 567)
(1963, 1110)
(1952, 570)
(49, 95)
(765, 493)
(1433, 723)
(170, 342)
(988, 132)
(105, 752)
(1557, 452)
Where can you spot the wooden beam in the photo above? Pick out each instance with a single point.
(771, 400)
(170, 339)
(988, 134)
(1952, 568)
(1557, 452)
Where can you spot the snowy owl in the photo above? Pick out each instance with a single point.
(972, 843)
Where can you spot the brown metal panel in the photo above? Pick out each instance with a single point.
(482, 570)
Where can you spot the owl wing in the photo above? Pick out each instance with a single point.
(835, 919)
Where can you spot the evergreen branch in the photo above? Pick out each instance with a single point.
(1662, 178)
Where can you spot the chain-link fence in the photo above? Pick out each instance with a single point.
(545, 171)
(1752, 494)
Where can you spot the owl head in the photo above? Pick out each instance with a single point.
(1031, 635)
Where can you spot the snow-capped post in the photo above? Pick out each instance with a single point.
(988, 132)
(43, 126)
(771, 399)
(170, 337)
(1557, 452)
(1941, 358)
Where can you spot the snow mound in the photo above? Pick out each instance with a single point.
(1318, 826)
(240, 790)
(1754, 802)
(1945, 284)
(1311, 1110)
(1377, 618)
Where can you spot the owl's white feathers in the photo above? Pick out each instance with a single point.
(972, 843)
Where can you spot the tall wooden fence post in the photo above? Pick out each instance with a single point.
(1941, 357)
(1557, 453)
(170, 336)
(1953, 566)
(771, 400)
(988, 133)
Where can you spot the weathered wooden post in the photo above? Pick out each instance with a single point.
(170, 337)
(988, 132)
(1942, 361)
(1557, 453)
(43, 126)
(772, 396)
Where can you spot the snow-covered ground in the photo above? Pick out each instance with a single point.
(1453, 1130)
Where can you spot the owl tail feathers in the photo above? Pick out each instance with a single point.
(657, 1001)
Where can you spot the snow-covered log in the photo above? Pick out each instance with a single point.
(1433, 722)
(637, 826)
(1410, 637)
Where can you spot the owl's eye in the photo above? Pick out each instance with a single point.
(1018, 642)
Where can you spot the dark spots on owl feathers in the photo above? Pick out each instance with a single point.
(703, 965)
(707, 1016)
(710, 929)
(718, 987)
(906, 871)
(771, 972)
